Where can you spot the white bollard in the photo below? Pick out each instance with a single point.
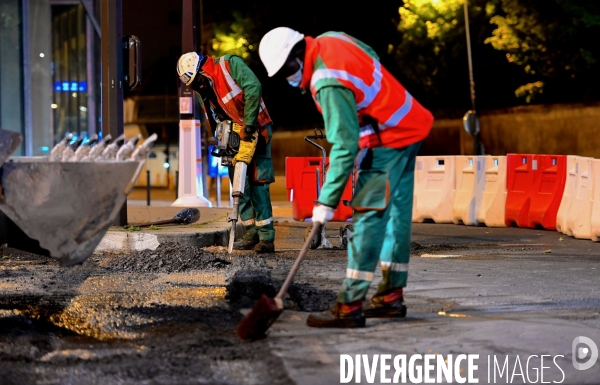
(191, 189)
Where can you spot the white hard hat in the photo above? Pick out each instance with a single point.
(188, 67)
(275, 47)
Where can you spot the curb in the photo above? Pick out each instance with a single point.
(122, 241)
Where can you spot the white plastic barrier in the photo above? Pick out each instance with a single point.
(579, 215)
(493, 200)
(470, 184)
(434, 189)
(595, 217)
(568, 194)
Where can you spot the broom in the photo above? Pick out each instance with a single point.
(267, 310)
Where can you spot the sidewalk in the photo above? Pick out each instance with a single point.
(212, 229)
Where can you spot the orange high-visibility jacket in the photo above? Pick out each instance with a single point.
(388, 115)
(235, 91)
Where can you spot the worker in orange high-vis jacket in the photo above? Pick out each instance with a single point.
(364, 108)
(229, 90)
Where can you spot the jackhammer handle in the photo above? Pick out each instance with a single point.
(288, 281)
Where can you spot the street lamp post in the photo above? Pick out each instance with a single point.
(470, 119)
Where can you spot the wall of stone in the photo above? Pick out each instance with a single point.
(571, 129)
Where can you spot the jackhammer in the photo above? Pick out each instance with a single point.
(237, 191)
(228, 136)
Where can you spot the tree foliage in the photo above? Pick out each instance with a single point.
(236, 37)
(555, 41)
(542, 50)
(433, 50)
(430, 28)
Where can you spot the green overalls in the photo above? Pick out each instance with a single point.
(256, 212)
(382, 198)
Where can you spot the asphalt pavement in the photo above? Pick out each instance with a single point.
(503, 293)
(506, 294)
(160, 307)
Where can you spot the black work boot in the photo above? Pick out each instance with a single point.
(341, 315)
(265, 247)
(245, 244)
(390, 305)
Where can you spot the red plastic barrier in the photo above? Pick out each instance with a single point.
(535, 185)
(519, 186)
(549, 187)
(301, 185)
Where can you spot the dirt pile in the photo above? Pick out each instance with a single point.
(167, 258)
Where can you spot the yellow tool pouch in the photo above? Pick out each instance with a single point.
(247, 148)
(372, 191)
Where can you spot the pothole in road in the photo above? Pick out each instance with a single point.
(172, 324)
(162, 316)
(130, 296)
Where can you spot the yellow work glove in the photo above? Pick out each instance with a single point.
(247, 147)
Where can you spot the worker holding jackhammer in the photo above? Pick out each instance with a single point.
(364, 108)
(229, 90)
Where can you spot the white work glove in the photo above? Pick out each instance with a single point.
(322, 213)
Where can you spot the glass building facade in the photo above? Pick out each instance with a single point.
(49, 72)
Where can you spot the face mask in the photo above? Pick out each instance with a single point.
(296, 77)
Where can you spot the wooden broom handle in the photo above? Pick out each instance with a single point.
(288, 281)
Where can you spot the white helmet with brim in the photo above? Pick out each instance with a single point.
(275, 47)
(188, 67)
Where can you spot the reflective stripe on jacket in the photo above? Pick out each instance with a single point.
(388, 115)
(238, 91)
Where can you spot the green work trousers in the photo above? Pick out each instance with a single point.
(256, 211)
(382, 203)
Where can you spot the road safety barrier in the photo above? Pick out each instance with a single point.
(470, 185)
(577, 221)
(434, 189)
(554, 192)
(535, 185)
(493, 199)
(569, 192)
(595, 217)
(301, 177)
(519, 183)
(548, 189)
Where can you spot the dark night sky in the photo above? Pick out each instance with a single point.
(159, 29)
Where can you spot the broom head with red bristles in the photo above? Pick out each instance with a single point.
(259, 319)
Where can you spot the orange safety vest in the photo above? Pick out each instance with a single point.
(229, 94)
(400, 119)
